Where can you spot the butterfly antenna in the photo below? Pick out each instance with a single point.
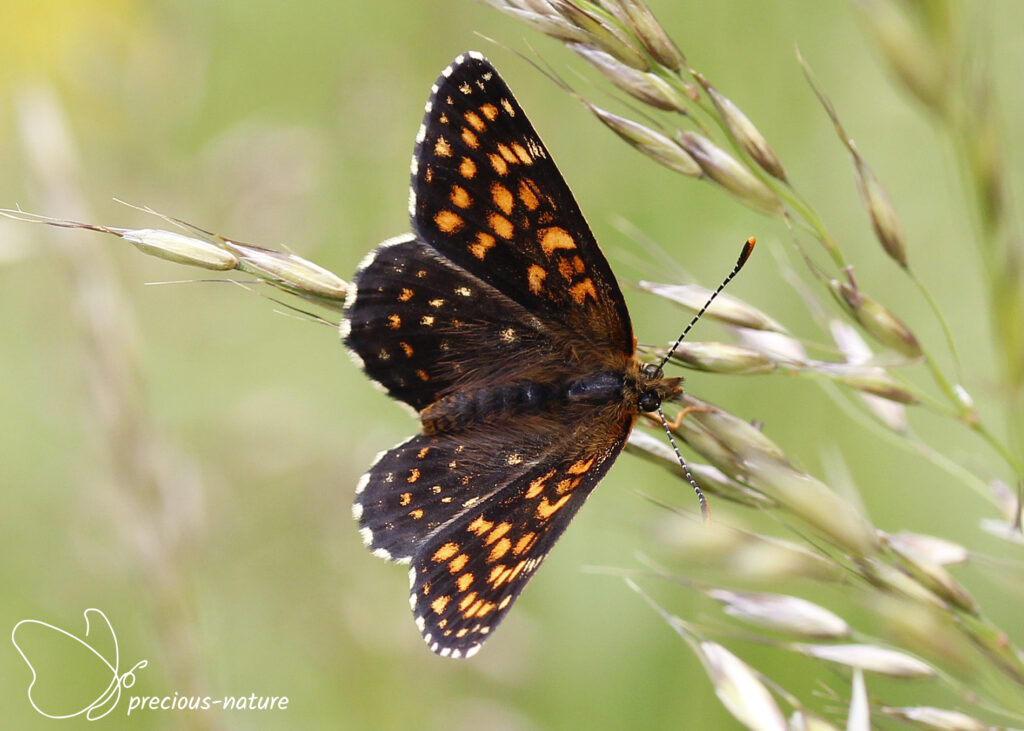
(748, 247)
(704, 510)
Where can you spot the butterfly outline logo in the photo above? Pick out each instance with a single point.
(111, 695)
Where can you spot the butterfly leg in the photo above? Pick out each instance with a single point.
(676, 422)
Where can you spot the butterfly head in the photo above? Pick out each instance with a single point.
(653, 388)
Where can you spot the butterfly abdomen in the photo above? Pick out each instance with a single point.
(468, 407)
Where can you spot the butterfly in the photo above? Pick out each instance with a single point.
(499, 321)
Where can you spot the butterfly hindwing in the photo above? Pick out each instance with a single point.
(466, 577)
(486, 194)
(416, 488)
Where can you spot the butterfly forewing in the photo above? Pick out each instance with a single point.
(419, 323)
(486, 195)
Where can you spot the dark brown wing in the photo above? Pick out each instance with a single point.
(487, 196)
(418, 323)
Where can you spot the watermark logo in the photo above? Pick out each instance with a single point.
(73, 676)
(100, 700)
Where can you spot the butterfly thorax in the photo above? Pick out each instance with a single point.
(632, 389)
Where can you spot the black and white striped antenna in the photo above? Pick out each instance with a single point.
(748, 247)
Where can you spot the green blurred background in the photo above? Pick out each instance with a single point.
(183, 458)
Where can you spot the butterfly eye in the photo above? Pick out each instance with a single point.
(652, 370)
(649, 400)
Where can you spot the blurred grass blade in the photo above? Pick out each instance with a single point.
(859, 716)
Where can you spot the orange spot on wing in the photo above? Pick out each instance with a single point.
(407, 349)
(394, 322)
(405, 295)
(469, 138)
(537, 486)
(499, 165)
(582, 466)
(515, 572)
(567, 485)
(422, 375)
(500, 225)
(442, 148)
(416, 514)
(445, 552)
(480, 526)
(527, 195)
(405, 498)
(439, 604)
(506, 153)
(458, 563)
(464, 581)
(535, 276)
(484, 243)
(414, 474)
(448, 221)
(566, 270)
(579, 291)
(475, 121)
(522, 153)
(555, 237)
(499, 530)
(524, 543)
(546, 509)
(467, 600)
(502, 198)
(467, 168)
(490, 111)
(502, 577)
(460, 197)
(500, 549)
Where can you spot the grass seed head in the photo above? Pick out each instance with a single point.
(938, 719)
(870, 658)
(641, 21)
(722, 358)
(747, 136)
(648, 88)
(603, 34)
(728, 172)
(884, 221)
(813, 502)
(804, 721)
(740, 689)
(290, 271)
(179, 248)
(936, 550)
(655, 145)
(782, 613)
(877, 320)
